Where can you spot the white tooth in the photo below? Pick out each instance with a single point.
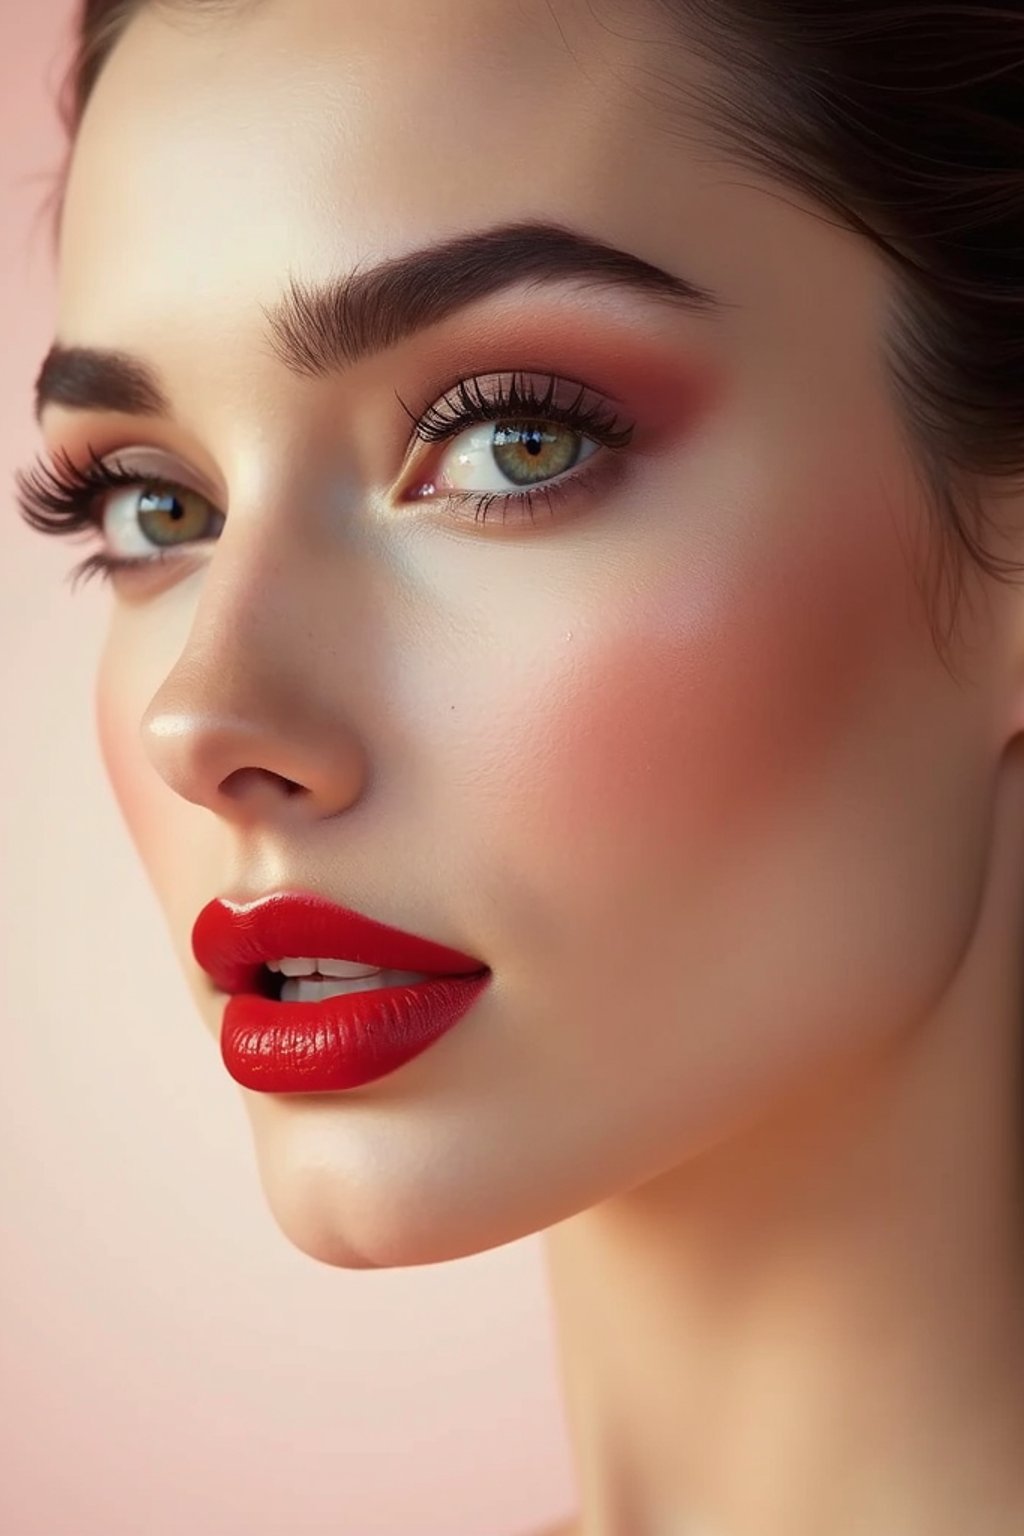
(306, 991)
(299, 967)
(305, 967)
(346, 968)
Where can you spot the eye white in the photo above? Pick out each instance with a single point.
(125, 536)
(468, 463)
(121, 528)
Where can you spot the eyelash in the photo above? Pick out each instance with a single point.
(60, 497)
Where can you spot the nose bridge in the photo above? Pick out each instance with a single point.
(248, 718)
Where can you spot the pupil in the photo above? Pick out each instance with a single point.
(156, 503)
(540, 443)
(154, 498)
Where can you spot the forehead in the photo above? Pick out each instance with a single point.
(306, 131)
(222, 154)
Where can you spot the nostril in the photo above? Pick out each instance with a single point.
(252, 784)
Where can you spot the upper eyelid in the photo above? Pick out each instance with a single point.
(489, 375)
(567, 389)
(79, 495)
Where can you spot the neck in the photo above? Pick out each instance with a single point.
(816, 1328)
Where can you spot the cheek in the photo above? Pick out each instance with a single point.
(710, 708)
(182, 848)
(723, 729)
(159, 822)
(121, 747)
(731, 792)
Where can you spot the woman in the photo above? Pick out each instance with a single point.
(522, 442)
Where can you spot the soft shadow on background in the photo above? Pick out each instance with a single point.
(170, 1365)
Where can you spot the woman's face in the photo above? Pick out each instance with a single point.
(679, 762)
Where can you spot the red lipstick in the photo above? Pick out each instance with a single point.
(342, 1041)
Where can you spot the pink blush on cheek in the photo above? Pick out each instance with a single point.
(712, 710)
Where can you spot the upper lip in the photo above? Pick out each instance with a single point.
(232, 940)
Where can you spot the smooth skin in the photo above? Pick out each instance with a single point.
(682, 764)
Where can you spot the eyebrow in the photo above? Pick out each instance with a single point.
(318, 329)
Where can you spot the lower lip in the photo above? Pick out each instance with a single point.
(340, 1042)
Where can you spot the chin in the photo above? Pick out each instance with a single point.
(384, 1212)
(319, 1218)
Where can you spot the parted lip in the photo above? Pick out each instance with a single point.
(232, 941)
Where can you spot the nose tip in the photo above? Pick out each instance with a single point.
(246, 771)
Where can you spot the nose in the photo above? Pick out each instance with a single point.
(251, 720)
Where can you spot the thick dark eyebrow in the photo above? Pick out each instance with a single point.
(318, 329)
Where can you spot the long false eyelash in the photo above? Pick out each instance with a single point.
(471, 405)
(60, 497)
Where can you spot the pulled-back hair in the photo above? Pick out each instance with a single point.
(905, 120)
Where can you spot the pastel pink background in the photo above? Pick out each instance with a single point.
(169, 1364)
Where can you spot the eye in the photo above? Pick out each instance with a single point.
(511, 444)
(155, 515)
(503, 456)
(144, 519)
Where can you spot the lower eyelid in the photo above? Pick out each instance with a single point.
(549, 501)
(593, 439)
(541, 502)
(479, 445)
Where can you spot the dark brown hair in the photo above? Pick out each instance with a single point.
(902, 118)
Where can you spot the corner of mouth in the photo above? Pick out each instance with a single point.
(267, 983)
